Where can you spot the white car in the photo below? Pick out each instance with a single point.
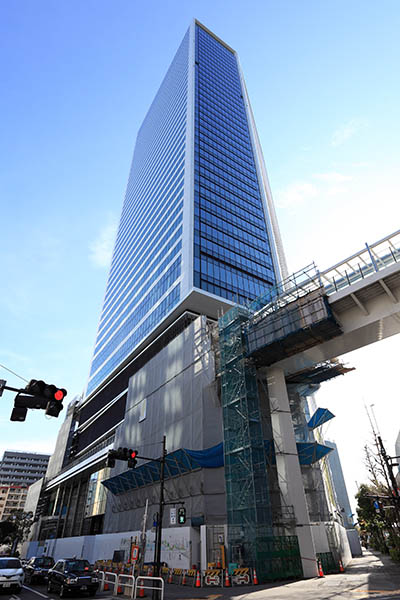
(11, 573)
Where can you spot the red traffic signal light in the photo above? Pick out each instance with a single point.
(38, 394)
(132, 458)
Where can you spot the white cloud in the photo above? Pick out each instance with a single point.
(346, 131)
(320, 185)
(296, 194)
(100, 249)
(331, 178)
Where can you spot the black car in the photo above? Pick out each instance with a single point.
(72, 575)
(37, 568)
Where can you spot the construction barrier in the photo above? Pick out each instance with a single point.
(141, 582)
(177, 575)
(189, 577)
(212, 578)
(241, 576)
(164, 573)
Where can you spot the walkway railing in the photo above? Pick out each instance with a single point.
(367, 261)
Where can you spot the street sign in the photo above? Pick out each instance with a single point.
(134, 553)
(172, 516)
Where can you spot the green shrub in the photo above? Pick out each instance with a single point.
(395, 554)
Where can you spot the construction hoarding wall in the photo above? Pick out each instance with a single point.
(179, 549)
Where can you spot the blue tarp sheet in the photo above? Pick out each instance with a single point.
(309, 452)
(321, 416)
(184, 461)
(210, 458)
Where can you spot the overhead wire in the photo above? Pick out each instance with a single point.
(14, 373)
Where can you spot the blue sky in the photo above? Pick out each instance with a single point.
(77, 79)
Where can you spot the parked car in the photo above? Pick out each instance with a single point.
(11, 573)
(72, 575)
(37, 568)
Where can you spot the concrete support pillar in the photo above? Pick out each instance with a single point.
(288, 466)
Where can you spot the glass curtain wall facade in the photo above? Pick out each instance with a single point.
(143, 284)
(194, 217)
(232, 250)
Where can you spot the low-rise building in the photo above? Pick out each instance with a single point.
(12, 498)
(22, 468)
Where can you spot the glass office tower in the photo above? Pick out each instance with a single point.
(197, 230)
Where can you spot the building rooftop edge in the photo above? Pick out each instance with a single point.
(197, 22)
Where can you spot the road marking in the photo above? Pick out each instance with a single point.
(35, 591)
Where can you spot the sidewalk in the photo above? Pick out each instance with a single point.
(373, 576)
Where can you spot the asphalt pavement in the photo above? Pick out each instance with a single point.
(372, 576)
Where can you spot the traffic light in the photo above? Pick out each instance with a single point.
(55, 405)
(132, 459)
(50, 395)
(38, 394)
(126, 454)
(21, 404)
(182, 515)
(110, 460)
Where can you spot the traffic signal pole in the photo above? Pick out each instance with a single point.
(131, 455)
(157, 549)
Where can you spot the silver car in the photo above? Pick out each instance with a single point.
(11, 573)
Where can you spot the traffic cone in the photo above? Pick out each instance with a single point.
(141, 589)
(184, 578)
(119, 588)
(320, 571)
(198, 580)
(170, 576)
(255, 579)
(341, 567)
(105, 588)
(227, 580)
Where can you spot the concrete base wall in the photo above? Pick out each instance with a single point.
(320, 537)
(344, 546)
(327, 538)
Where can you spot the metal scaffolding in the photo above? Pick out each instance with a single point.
(247, 488)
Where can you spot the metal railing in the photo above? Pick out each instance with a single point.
(358, 266)
(123, 581)
(140, 585)
(106, 582)
(362, 264)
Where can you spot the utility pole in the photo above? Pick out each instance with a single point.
(157, 550)
(143, 537)
(389, 467)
